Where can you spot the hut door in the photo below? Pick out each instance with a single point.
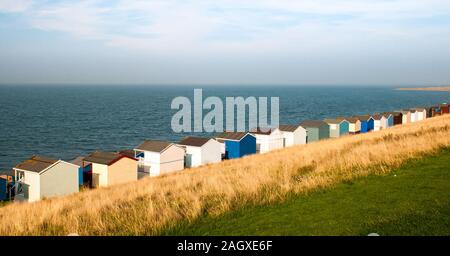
(95, 180)
(188, 160)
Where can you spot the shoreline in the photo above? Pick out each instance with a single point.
(434, 89)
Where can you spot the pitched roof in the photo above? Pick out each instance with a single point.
(231, 135)
(377, 116)
(288, 127)
(194, 141)
(154, 145)
(262, 131)
(334, 121)
(77, 161)
(36, 164)
(128, 152)
(313, 123)
(349, 119)
(391, 113)
(363, 117)
(101, 157)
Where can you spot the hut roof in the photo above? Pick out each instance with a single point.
(77, 161)
(334, 121)
(288, 127)
(231, 136)
(262, 131)
(36, 164)
(194, 141)
(313, 123)
(377, 117)
(128, 152)
(154, 145)
(106, 158)
(363, 117)
(350, 119)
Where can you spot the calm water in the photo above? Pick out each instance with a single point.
(64, 122)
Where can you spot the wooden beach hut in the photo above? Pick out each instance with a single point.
(84, 169)
(316, 130)
(354, 124)
(157, 157)
(111, 168)
(338, 127)
(406, 116)
(267, 139)
(379, 120)
(40, 177)
(414, 115)
(433, 111)
(4, 182)
(367, 123)
(200, 151)
(445, 108)
(421, 113)
(236, 144)
(397, 118)
(293, 135)
(389, 119)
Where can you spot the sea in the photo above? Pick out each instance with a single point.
(67, 121)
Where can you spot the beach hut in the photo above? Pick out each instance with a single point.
(111, 168)
(267, 139)
(200, 151)
(379, 122)
(445, 108)
(397, 118)
(433, 111)
(293, 135)
(338, 127)
(84, 172)
(4, 181)
(389, 119)
(421, 113)
(40, 177)
(414, 115)
(367, 123)
(236, 144)
(406, 116)
(316, 130)
(354, 124)
(157, 157)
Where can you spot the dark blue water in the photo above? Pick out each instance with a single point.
(67, 121)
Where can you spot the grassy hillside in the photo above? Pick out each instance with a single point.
(411, 200)
(150, 205)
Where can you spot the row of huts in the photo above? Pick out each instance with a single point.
(40, 177)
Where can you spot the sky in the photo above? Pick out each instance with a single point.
(280, 42)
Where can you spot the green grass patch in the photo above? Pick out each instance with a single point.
(412, 200)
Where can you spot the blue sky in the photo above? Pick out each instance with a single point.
(354, 42)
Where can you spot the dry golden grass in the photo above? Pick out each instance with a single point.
(146, 206)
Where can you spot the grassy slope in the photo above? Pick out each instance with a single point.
(149, 205)
(412, 200)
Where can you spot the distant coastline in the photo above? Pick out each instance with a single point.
(436, 88)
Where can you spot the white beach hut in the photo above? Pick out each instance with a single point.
(421, 113)
(159, 157)
(40, 177)
(293, 135)
(379, 122)
(267, 140)
(200, 151)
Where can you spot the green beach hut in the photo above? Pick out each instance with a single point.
(316, 130)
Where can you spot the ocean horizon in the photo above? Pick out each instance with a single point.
(64, 122)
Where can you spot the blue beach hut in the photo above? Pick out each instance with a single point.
(367, 123)
(236, 144)
(389, 119)
(3, 187)
(82, 172)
